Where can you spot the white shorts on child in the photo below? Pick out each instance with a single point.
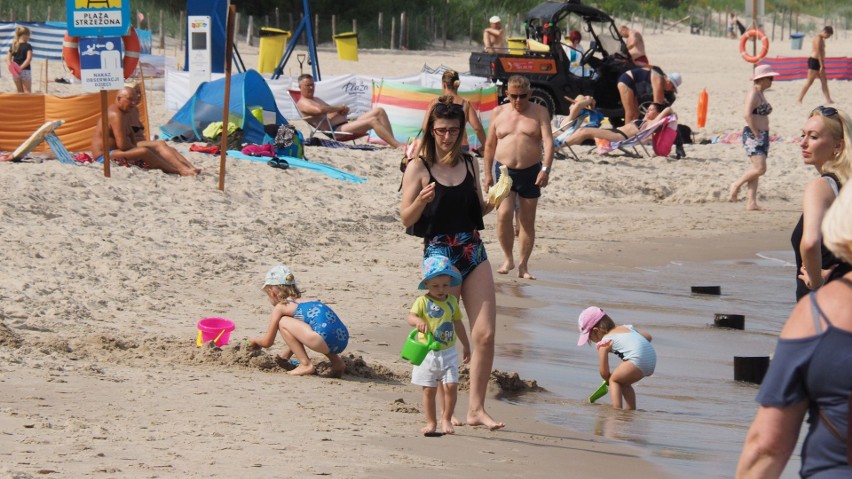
(438, 367)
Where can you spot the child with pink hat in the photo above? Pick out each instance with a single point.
(631, 345)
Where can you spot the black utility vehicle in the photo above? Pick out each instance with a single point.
(548, 70)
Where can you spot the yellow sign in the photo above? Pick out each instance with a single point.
(98, 3)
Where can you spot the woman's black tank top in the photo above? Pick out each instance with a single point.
(828, 259)
(455, 209)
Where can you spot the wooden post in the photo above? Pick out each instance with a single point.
(431, 26)
(249, 29)
(381, 34)
(29, 18)
(446, 21)
(402, 30)
(773, 24)
(48, 12)
(148, 135)
(236, 28)
(782, 23)
(333, 26)
(277, 18)
(180, 28)
(229, 47)
(393, 32)
(162, 33)
(316, 29)
(470, 33)
(105, 130)
(407, 32)
(354, 25)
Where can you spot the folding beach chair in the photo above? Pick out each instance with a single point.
(566, 129)
(323, 126)
(45, 133)
(630, 145)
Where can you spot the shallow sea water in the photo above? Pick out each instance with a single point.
(692, 416)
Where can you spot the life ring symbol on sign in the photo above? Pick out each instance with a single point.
(132, 47)
(763, 51)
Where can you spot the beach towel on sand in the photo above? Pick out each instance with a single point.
(308, 165)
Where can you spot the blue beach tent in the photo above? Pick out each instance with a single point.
(248, 91)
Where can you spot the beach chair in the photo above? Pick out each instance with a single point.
(630, 146)
(323, 126)
(45, 133)
(566, 129)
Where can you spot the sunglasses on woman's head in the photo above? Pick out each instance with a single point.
(825, 110)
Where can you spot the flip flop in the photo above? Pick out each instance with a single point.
(279, 163)
(433, 434)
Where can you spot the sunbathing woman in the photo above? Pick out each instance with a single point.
(655, 110)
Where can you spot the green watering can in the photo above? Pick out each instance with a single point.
(414, 351)
(599, 392)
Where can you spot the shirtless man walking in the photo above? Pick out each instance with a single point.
(123, 146)
(816, 64)
(315, 110)
(635, 45)
(494, 37)
(518, 133)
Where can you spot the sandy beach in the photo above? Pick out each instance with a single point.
(102, 281)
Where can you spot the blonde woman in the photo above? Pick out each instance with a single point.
(825, 146)
(19, 58)
(755, 136)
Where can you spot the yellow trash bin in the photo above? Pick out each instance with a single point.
(517, 45)
(272, 43)
(347, 46)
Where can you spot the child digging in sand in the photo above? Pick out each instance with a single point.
(437, 312)
(632, 345)
(308, 324)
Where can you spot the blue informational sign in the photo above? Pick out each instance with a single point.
(89, 18)
(101, 63)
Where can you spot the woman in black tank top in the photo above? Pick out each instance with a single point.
(442, 202)
(826, 146)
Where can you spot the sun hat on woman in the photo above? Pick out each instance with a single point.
(763, 71)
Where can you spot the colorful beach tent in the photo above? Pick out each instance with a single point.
(407, 104)
(248, 91)
(796, 68)
(21, 115)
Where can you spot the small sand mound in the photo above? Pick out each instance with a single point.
(8, 337)
(399, 405)
(507, 383)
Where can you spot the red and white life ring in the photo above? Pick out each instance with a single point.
(132, 47)
(760, 36)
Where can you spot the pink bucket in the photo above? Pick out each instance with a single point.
(215, 329)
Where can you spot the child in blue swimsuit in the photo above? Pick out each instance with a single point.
(632, 345)
(309, 324)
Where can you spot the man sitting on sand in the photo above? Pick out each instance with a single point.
(124, 148)
(316, 110)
